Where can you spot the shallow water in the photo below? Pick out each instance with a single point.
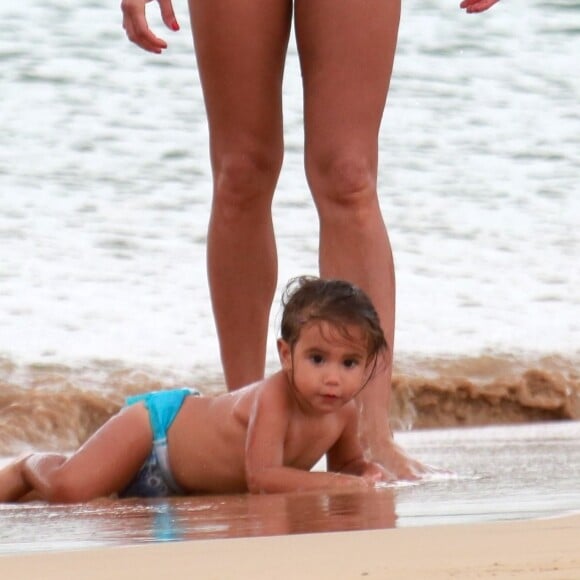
(500, 473)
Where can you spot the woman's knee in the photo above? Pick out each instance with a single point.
(344, 182)
(245, 183)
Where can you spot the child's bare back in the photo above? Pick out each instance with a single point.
(208, 440)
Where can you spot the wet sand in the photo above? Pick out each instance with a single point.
(526, 549)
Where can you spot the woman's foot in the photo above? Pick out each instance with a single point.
(381, 448)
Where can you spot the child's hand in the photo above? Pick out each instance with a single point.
(137, 29)
(477, 5)
(374, 473)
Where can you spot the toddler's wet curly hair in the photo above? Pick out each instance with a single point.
(309, 299)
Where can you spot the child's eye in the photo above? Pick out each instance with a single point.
(350, 363)
(316, 358)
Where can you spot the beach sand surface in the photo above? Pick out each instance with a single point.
(544, 548)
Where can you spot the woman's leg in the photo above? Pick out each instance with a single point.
(105, 464)
(346, 51)
(241, 48)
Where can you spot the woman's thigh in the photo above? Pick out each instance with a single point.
(241, 47)
(346, 52)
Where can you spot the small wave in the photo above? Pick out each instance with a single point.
(476, 391)
(57, 407)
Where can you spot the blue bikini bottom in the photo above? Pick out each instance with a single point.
(154, 478)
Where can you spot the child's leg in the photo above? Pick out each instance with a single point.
(105, 464)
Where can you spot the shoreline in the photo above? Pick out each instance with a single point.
(546, 548)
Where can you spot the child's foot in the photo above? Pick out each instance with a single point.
(12, 484)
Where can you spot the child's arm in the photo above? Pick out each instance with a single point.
(346, 455)
(265, 469)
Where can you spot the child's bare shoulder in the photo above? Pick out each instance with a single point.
(273, 391)
(264, 392)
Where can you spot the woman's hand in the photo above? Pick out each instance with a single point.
(137, 29)
(477, 5)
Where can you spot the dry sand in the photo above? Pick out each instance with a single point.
(548, 548)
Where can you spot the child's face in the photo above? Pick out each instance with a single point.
(325, 368)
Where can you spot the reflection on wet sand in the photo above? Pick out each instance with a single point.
(269, 515)
(40, 526)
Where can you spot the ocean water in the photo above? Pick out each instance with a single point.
(105, 197)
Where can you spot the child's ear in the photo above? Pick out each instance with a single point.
(285, 354)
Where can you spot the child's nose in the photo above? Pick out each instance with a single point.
(332, 376)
